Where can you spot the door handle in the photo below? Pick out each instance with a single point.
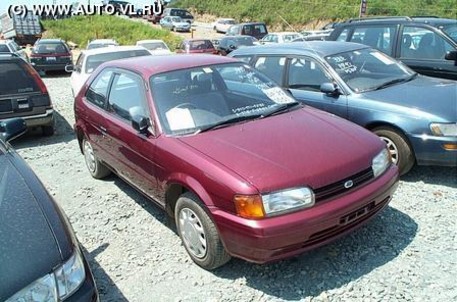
(103, 130)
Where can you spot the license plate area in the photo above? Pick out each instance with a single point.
(51, 59)
(22, 104)
(357, 213)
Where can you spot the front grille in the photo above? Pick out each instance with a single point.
(338, 187)
(6, 106)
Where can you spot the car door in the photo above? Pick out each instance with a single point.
(304, 77)
(134, 152)
(424, 50)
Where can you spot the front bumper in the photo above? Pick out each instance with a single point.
(430, 150)
(87, 292)
(288, 235)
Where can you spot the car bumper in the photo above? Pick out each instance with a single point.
(50, 67)
(431, 150)
(182, 29)
(45, 119)
(288, 235)
(87, 291)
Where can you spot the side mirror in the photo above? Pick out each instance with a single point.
(451, 55)
(69, 68)
(139, 122)
(232, 47)
(12, 128)
(330, 89)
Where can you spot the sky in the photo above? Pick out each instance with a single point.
(4, 4)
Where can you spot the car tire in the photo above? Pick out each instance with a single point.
(198, 233)
(48, 130)
(95, 167)
(399, 148)
(173, 29)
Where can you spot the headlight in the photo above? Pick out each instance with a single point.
(287, 200)
(381, 162)
(55, 286)
(440, 129)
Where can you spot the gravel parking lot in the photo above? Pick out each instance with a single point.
(408, 253)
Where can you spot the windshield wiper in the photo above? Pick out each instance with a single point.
(395, 81)
(281, 108)
(227, 122)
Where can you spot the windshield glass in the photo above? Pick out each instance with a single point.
(47, 48)
(245, 41)
(14, 79)
(368, 69)
(94, 61)
(154, 46)
(191, 100)
(451, 30)
(176, 19)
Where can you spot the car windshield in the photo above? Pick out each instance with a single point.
(451, 30)
(4, 48)
(200, 44)
(290, 37)
(154, 45)
(93, 61)
(100, 45)
(368, 69)
(176, 19)
(190, 101)
(14, 79)
(48, 48)
(246, 41)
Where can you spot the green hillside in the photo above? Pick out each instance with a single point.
(277, 12)
(81, 29)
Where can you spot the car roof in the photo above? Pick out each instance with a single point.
(50, 41)
(111, 49)
(320, 48)
(237, 36)
(7, 56)
(401, 19)
(150, 65)
(103, 41)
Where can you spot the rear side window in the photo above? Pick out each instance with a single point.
(254, 29)
(94, 61)
(46, 48)
(14, 79)
(344, 35)
(272, 66)
(98, 90)
(4, 48)
(377, 37)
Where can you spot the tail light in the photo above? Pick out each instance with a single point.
(34, 74)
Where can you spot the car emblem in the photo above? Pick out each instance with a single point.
(348, 184)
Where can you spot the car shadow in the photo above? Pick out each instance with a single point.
(34, 136)
(445, 176)
(107, 290)
(330, 266)
(55, 74)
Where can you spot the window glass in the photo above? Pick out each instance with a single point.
(343, 35)
(15, 79)
(98, 90)
(79, 63)
(421, 43)
(376, 37)
(451, 30)
(126, 96)
(306, 74)
(47, 48)
(272, 66)
(4, 48)
(94, 61)
(245, 59)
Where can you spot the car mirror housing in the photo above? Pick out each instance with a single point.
(451, 55)
(140, 123)
(69, 68)
(12, 128)
(330, 89)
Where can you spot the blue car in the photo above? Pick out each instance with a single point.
(415, 115)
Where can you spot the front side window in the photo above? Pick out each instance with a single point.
(369, 69)
(126, 96)
(98, 90)
(422, 43)
(199, 99)
(306, 74)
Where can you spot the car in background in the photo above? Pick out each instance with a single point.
(426, 44)
(222, 25)
(23, 94)
(415, 115)
(255, 29)
(41, 258)
(197, 46)
(50, 55)
(99, 43)
(280, 37)
(175, 24)
(184, 14)
(155, 47)
(194, 141)
(89, 60)
(228, 44)
(9, 46)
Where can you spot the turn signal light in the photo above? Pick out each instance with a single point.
(249, 206)
(450, 147)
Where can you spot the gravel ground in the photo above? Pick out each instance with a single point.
(408, 253)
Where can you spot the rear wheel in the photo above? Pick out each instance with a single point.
(399, 148)
(198, 233)
(95, 167)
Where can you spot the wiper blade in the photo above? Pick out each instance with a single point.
(227, 122)
(281, 108)
(392, 82)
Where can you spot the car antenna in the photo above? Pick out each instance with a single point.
(288, 24)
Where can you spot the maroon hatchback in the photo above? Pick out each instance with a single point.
(244, 169)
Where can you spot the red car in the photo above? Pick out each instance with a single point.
(197, 46)
(245, 170)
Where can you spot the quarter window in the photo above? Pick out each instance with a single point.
(126, 96)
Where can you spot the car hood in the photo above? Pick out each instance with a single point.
(431, 95)
(302, 147)
(28, 249)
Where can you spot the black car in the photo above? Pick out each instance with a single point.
(23, 94)
(426, 44)
(40, 257)
(228, 44)
(257, 30)
(50, 55)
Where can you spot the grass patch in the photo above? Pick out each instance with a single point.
(82, 29)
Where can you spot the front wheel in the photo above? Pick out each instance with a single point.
(399, 148)
(198, 233)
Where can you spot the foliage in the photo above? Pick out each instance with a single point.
(81, 29)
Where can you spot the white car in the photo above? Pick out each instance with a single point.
(99, 43)
(155, 47)
(89, 60)
(9, 46)
(222, 25)
(280, 37)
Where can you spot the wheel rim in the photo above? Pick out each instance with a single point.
(392, 148)
(89, 156)
(192, 233)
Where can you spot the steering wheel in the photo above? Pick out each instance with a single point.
(186, 105)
